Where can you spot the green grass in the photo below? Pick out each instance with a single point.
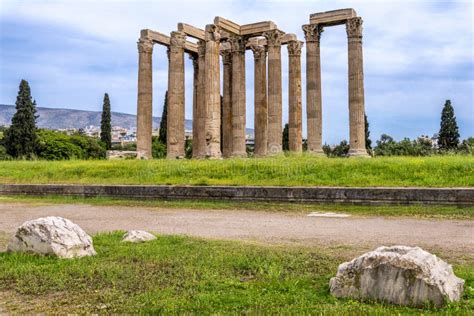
(417, 211)
(441, 171)
(182, 275)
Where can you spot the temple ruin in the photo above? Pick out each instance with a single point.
(227, 41)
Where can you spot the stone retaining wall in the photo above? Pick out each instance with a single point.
(355, 195)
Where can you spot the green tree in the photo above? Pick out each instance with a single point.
(105, 123)
(449, 131)
(21, 139)
(164, 120)
(368, 142)
(286, 138)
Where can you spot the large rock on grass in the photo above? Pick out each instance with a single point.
(54, 236)
(137, 236)
(399, 275)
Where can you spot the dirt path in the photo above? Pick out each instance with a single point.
(447, 235)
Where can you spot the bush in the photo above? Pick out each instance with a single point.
(387, 146)
(54, 145)
(341, 150)
(158, 149)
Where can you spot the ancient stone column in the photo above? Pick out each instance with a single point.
(199, 114)
(212, 92)
(175, 122)
(227, 138)
(194, 58)
(295, 140)
(356, 88)
(144, 99)
(237, 44)
(314, 113)
(260, 100)
(274, 91)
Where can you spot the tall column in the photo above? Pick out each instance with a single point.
(194, 58)
(295, 140)
(227, 138)
(274, 91)
(238, 96)
(175, 120)
(144, 99)
(199, 113)
(212, 92)
(356, 88)
(314, 111)
(260, 100)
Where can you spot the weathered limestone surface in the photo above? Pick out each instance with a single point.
(356, 88)
(212, 92)
(333, 17)
(260, 100)
(136, 236)
(144, 100)
(274, 91)
(238, 96)
(313, 88)
(227, 138)
(120, 154)
(400, 275)
(175, 124)
(199, 135)
(295, 140)
(54, 236)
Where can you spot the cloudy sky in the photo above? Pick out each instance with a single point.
(417, 54)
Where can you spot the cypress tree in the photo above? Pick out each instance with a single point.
(286, 138)
(449, 131)
(368, 142)
(21, 138)
(163, 122)
(105, 123)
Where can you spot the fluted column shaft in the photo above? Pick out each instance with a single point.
(294, 93)
(194, 58)
(175, 120)
(199, 112)
(212, 92)
(356, 88)
(314, 113)
(274, 92)
(144, 98)
(238, 97)
(227, 137)
(260, 100)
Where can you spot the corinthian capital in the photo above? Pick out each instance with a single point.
(259, 51)
(201, 48)
(354, 27)
(312, 32)
(178, 39)
(212, 33)
(145, 45)
(237, 44)
(294, 48)
(273, 37)
(226, 56)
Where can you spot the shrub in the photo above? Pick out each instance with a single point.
(54, 145)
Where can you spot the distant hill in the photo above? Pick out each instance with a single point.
(68, 118)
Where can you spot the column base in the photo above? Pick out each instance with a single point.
(239, 155)
(317, 153)
(359, 153)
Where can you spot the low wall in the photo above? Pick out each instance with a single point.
(358, 195)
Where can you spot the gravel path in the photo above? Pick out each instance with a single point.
(272, 227)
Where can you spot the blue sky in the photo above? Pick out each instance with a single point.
(417, 54)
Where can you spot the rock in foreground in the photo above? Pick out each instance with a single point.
(400, 275)
(54, 236)
(137, 236)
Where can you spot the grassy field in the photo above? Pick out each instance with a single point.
(414, 211)
(176, 275)
(442, 171)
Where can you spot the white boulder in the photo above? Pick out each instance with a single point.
(399, 275)
(52, 235)
(137, 236)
